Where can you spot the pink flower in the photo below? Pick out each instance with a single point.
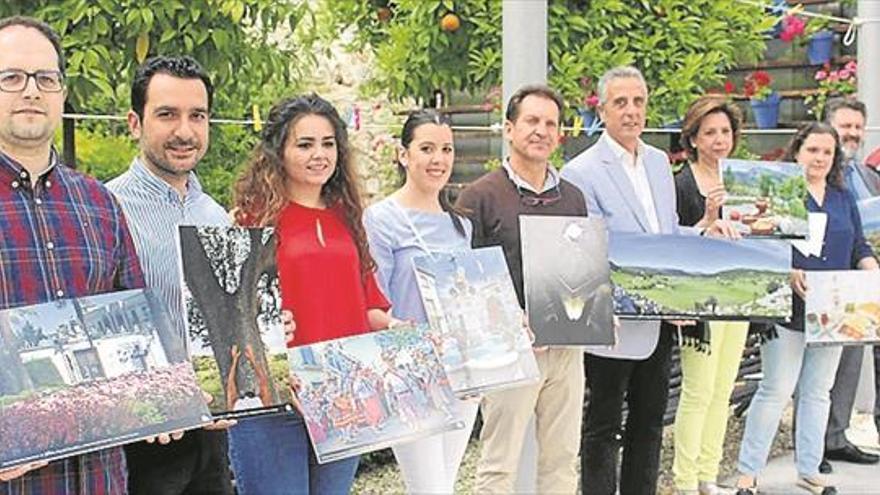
(851, 66)
(843, 74)
(820, 75)
(833, 76)
(592, 101)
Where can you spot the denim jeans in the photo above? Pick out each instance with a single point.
(272, 455)
(788, 366)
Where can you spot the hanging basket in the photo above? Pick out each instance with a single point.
(767, 111)
(819, 47)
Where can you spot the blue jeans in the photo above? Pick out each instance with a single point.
(788, 366)
(272, 455)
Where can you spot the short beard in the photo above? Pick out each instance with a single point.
(164, 167)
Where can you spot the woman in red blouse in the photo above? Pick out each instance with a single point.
(301, 180)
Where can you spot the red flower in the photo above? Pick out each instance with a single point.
(729, 87)
(762, 78)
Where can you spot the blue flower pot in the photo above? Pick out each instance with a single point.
(819, 47)
(767, 111)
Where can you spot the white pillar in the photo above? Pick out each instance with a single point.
(524, 49)
(869, 68)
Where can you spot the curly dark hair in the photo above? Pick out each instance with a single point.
(260, 193)
(835, 175)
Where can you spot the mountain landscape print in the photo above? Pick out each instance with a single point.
(696, 277)
(765, 198)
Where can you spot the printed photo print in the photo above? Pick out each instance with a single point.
(78, 375)
(368, 392)
(765, 198)
(697, 277)
(235, 325)
(869, 211)
(842, 308)
(566, 278)
(476, 322)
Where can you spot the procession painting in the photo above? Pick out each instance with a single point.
(367, 392)
(765, 199)
(842, 307)
(697, 277)
(567, 281)
(234, 320)
(78, 375)
(476, 322)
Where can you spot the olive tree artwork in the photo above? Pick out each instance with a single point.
(233, 303)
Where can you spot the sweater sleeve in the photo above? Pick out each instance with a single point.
(469, 201)
(381, 246)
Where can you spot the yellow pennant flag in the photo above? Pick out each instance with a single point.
(258, 122)
(577, 126)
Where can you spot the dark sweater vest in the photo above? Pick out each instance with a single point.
(494, 205)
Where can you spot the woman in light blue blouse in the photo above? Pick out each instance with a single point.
(416, 220)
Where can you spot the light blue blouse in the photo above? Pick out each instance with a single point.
(396, 236)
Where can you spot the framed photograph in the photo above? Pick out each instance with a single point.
(476, 322)
(85, 374)
(842, 307)
(697, 277)
(367, 392)
(566, 280)
(234, 320)
(765, 199)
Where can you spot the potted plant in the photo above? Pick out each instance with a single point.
(589, 103)
(839, 82)
(764, 101)
(821, 41)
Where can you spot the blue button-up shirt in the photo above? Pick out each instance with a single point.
(843, 246)
(154, 210)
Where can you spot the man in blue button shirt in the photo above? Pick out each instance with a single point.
(170, 104)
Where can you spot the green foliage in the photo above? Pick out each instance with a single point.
(254, 51)
(103, 155)
(148, 412)
(682, 46)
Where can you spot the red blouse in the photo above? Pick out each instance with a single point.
(319, 272)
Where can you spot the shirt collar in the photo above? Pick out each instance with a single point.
(14, 171)
(620, 152)
(550, 181)
(159, 186)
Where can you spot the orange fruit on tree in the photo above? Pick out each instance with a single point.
(450, 22)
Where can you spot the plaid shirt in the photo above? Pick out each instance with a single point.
(66, 237)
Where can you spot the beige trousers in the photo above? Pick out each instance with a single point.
(557, 402)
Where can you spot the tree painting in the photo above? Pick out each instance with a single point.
(233, 312)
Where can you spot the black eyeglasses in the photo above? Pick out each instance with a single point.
(528, 198)
(15, 80)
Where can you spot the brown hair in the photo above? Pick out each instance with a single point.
(835, 175)
(532, 89)
(699, 110)
(261, 190)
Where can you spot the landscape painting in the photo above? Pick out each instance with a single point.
(476, 322)
(697, 277)
(566, 279)
(368, 392)
(765, 198)
(234, 319)
(78, 375)
(842, 308)
(869, 210)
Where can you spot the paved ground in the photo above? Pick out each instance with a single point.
(780, 475)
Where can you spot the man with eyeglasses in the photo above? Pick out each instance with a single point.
(527, 184)
(62, 234)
